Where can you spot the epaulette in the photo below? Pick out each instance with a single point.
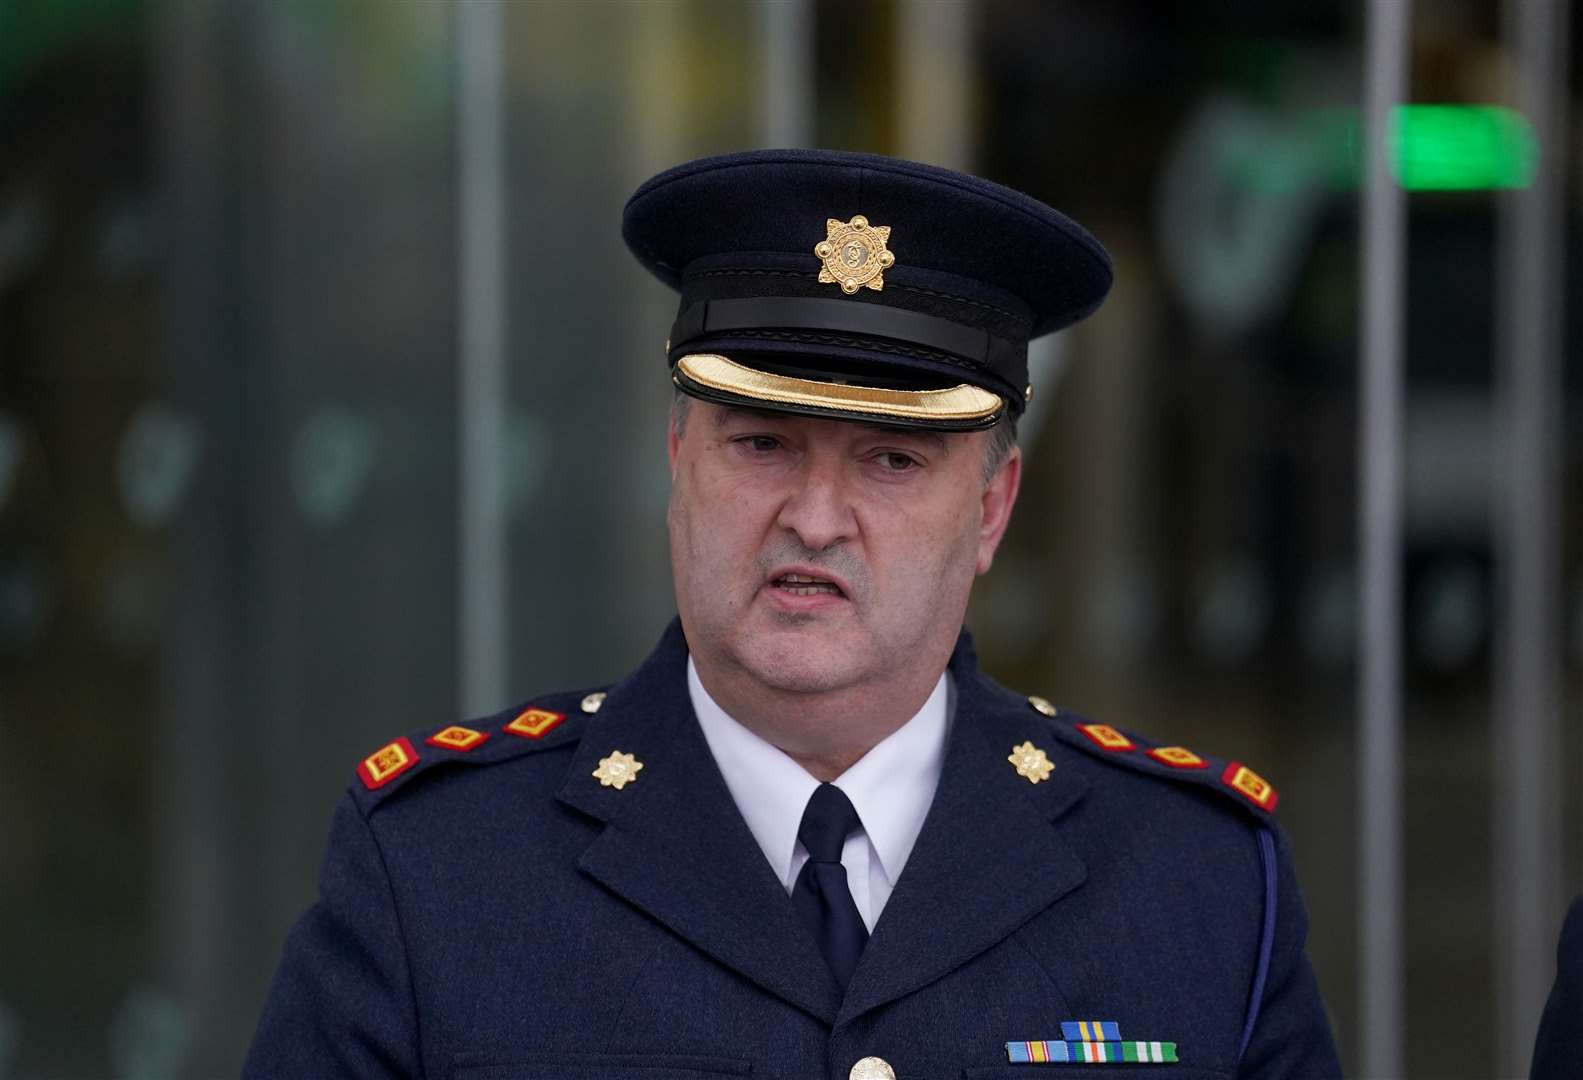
(541, 724)
(1232, 779)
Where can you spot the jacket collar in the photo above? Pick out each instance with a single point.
(675, 845)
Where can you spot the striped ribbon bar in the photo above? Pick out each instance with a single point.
(1037, 1052)
(1090, 1030)
(1090, 1053)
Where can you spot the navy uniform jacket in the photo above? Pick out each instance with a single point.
(498, 914)
(1559, 1047)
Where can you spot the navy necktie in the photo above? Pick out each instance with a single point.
(821, 896)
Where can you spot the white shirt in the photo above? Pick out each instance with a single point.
(891, 788)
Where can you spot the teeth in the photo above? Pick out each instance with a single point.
(803, 585)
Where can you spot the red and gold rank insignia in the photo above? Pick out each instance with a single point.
(1106, 736)
(535, 723)
(457, 737)
(1250, 785)
(1177, 757)
(854, 254)
(387, 763)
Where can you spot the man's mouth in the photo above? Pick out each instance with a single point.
(805, 585)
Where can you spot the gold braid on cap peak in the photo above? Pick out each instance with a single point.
(963, 405)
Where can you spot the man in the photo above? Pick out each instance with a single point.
(1559, 1045)
(807, 837)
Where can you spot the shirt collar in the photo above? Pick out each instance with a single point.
(891, 786)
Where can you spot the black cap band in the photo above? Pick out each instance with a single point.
(971, 343)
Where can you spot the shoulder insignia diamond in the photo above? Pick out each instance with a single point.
(1031, 762)
(457, 737)
(387, 763)
(854, 254)
(592, 702)
(1106, 736)
(535, 723)
(618, 770)
(1177, 757)
(1250, 785)
(1042, 705)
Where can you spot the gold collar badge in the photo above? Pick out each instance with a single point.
(618, 770)
(1031, 762)
(854, 254)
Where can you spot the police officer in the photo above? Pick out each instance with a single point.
(808, 837)
(1558, 1048)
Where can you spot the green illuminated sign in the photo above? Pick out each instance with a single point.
(1431, 147)
(1461, 148)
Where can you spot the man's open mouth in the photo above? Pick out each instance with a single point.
(804, 585)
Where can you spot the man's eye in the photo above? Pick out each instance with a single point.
(762, 443)
(897, 462)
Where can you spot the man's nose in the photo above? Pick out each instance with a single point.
(818, 509)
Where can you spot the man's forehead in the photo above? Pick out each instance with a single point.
(729, 414)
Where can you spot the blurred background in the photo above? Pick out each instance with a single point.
(331, 406)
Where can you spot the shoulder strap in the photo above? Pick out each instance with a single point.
(1230, 779)
(539, 725)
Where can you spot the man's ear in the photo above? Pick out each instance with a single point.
(999, 497)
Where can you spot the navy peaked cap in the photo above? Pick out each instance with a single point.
(859, 286)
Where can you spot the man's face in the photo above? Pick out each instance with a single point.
(815, 555)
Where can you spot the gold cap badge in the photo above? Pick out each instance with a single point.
(854, 254)
(1031, 762)
(618, 770)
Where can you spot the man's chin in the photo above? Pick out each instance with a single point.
(791, 681)
(803, 657)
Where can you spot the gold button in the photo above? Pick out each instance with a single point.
(872, 1068)
(1027, 395)
(1041, 704)
(592, 702)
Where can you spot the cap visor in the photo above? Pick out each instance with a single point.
(963, 407)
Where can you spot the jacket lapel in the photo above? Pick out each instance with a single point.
(987, 859)
(675, 845)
